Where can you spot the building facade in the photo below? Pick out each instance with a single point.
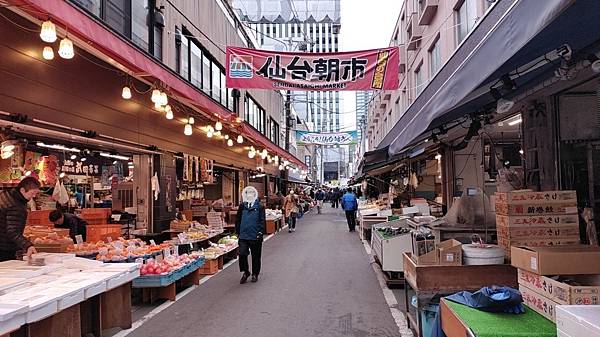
(427, 33)
(303, 26)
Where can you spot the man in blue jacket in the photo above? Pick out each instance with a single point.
(350, 205)
(250, 226)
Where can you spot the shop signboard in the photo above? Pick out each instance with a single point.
(375, 69)
(323, 138)
(89, 167)
(307, 160)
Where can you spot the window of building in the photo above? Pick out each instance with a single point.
(206, 75)
(139, 23)
(273, 131)
(133, 19)
(254, 114)
(117, 15)
(419, 80)
(216, 82)
(199, 68)
(435, 58)
(466, 15)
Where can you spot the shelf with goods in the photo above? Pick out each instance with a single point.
(44, 297)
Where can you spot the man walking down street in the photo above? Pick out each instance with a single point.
(13, 216)
(335, 198)
(350, 205)
(250, 226)
(319, 197)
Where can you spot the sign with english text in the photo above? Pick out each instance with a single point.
(375, 69)
(333, 138)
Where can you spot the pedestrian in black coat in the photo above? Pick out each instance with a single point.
(13, 216)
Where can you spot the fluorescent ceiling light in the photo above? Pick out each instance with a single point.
(114, 156)
(58, 147)
(515, 122)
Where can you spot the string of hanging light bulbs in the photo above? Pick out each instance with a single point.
(159, 97)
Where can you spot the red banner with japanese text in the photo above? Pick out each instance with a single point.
(375, 69)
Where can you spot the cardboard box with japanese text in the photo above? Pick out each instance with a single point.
(557, 260)
(586, 292)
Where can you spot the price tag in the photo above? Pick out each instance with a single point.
(175, 251)
(182, 237)
(78, 239)
(152, 242)
(167, 252)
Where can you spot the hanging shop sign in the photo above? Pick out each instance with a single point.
(375, 69)
(333, 138)
(307, 160)
(81, 168)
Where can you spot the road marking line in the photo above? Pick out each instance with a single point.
(390, 298)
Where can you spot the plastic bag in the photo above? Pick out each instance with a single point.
(60, 193)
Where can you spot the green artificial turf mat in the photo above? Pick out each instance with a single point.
(486, 324)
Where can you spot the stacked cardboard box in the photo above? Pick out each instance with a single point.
(527, 218)
(562, 275)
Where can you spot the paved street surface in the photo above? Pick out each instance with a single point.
(315, 282)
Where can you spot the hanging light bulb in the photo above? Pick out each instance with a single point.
(229, 142)
(169, 114)
(155, 96)
(66, 49)
(280, 167)
(48, 53)
(209, 134)
(240, 139)
(264, 154)
(251, 154)
(126, 93)
(187, 130)
(164, 100)
(73, 157)
(48, 32)
(61, 175)
(252, 149)
(226, 136)
(276, 159)
(158, 106)
(218, 126)
(191, 120)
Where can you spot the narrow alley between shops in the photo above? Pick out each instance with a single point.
(316, 281)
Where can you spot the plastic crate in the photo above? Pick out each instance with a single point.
(102, 232)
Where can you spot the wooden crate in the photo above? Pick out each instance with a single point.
(210, 267)
(530, 233)
(102, 232)
(52, 248)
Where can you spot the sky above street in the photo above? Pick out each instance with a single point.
(366, 24)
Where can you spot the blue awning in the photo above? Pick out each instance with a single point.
(504, 40)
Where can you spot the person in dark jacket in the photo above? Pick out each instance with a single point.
(75, 224)
(250, 226)
(350, 205)
(13, 216)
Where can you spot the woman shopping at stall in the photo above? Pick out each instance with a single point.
(290, 206)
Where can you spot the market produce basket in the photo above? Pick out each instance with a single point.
(154, 281)
(102, 232)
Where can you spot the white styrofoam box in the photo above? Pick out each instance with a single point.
(578, 320)
(71, 299)
(10, 264)
(40, 305)
(120, 267)
(91, 286)
(81, 263)
(23, 271)
(7, 283)
(54, 258)
(42, 312)
(12, 316)
(42, 279)
(122, 279)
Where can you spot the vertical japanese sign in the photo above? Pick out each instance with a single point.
(375, 69)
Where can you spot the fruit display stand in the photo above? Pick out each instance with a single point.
(164, 286)
(216, 260)
(427, 282)
(67, 297)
